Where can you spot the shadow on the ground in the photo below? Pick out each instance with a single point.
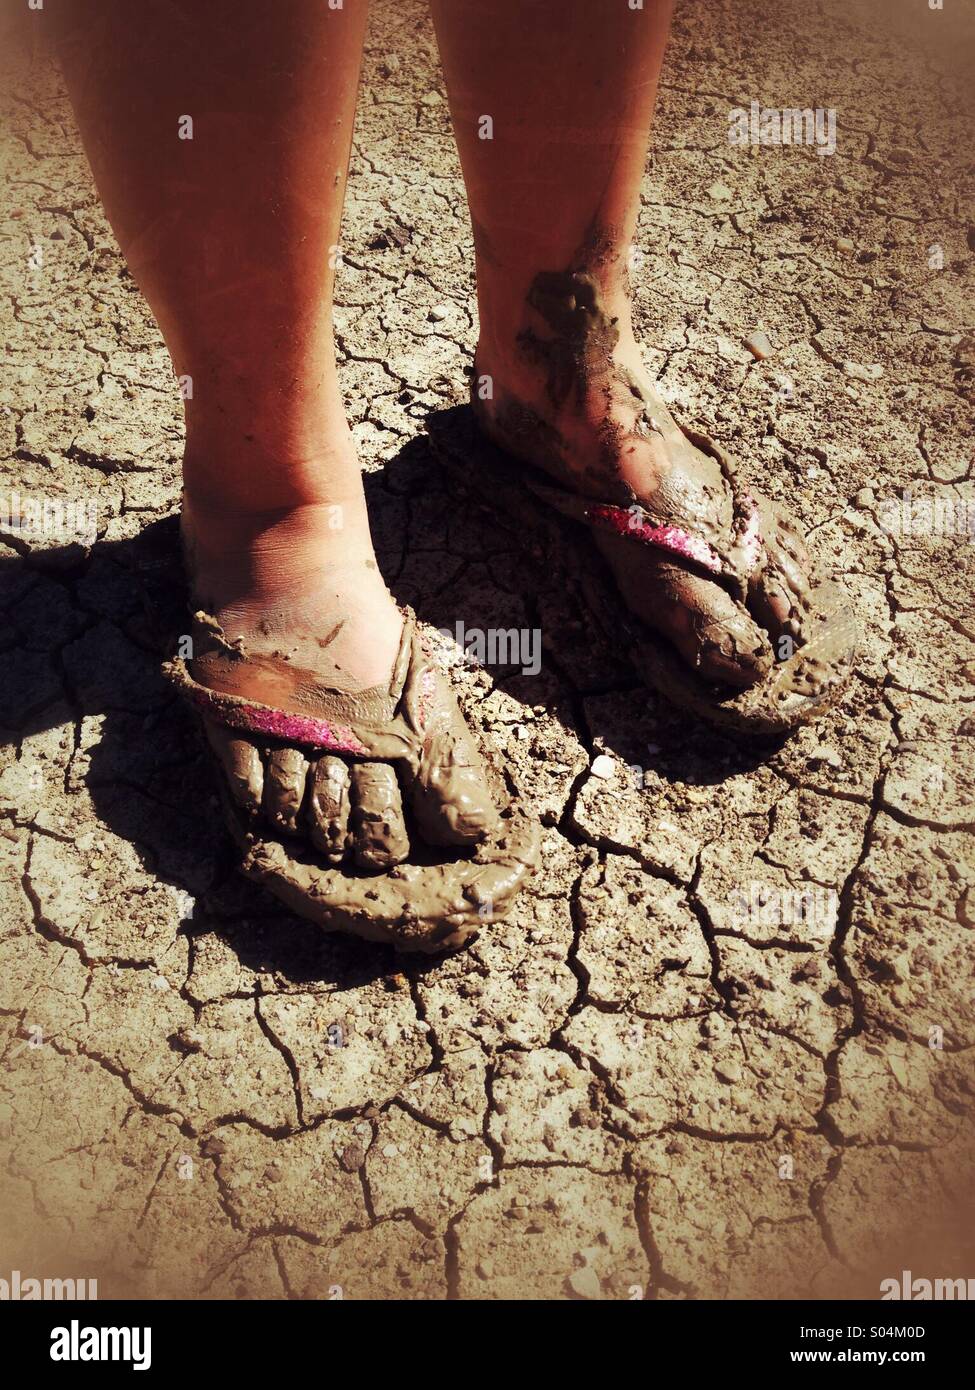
(86, 630)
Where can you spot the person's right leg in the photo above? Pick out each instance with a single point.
(230, 226)
(219, 136)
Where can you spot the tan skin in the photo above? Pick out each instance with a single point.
(230, 237)
(572, 86)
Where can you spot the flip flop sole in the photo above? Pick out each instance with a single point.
(800, 688)
(415, 908)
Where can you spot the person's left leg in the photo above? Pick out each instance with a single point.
(552, 103)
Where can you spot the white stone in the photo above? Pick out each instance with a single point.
(585, 1283)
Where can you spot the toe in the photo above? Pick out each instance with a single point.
(450, 796)
(779, 591)
(449, 791)
(379, 831)
(714, 634)
(773, 602)
(284, 788)
(241, 765)
(328, 808)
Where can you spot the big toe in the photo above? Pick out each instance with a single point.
(714, 634)
(450, 796)
(779, 590)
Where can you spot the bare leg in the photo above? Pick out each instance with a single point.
(231, 235)
(552, 104)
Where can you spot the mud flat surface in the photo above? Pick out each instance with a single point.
(724, 1044)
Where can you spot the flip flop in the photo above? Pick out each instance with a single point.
(321, 756)
(813, 667)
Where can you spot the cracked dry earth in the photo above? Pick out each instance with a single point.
(636, 1087)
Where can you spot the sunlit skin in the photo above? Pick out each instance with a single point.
(219, 136)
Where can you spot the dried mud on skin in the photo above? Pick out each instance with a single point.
(632, 1088)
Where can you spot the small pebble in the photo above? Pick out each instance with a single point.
(822, 753)
(438, 313)
(603, 766)
(809, 970)
(351, 1158)
(759, 346)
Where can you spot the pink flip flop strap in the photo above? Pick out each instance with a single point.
(250, 717)
(634, 523)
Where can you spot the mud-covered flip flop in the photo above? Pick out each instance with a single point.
(440, 898)
(812, 668)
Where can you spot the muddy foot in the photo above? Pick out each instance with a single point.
(299, 664)
(727, 577)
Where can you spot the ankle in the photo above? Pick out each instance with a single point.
(508, 302)
(247, 473)
(232, 551)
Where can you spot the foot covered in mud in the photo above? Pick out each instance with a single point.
(321, 786)
(733, 621)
